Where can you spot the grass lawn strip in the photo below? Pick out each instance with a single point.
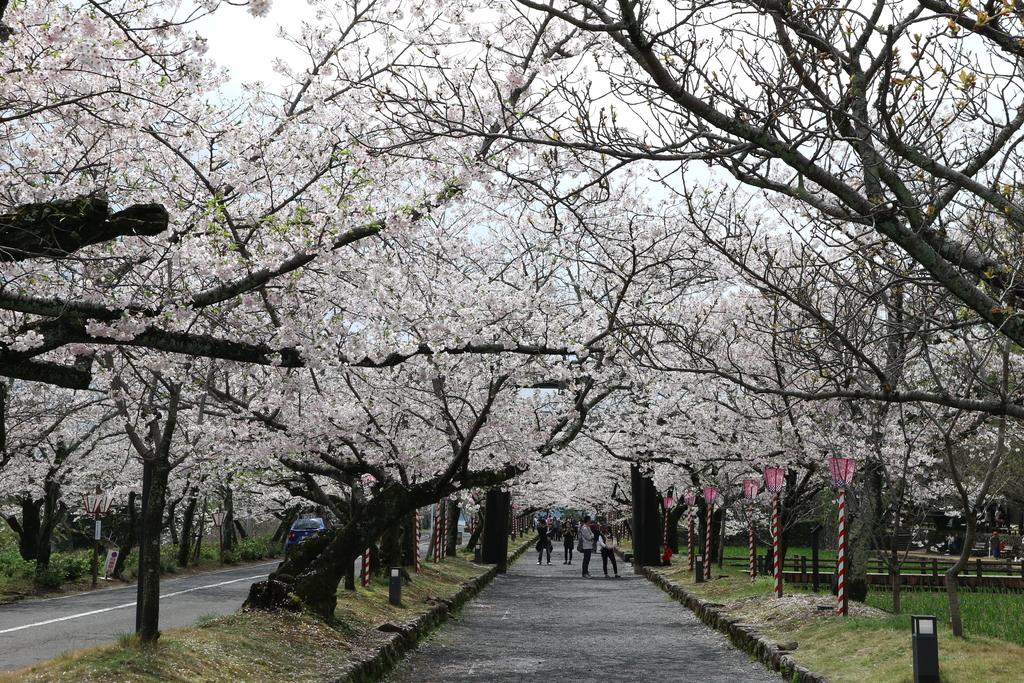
(257, 646)
(872, 645)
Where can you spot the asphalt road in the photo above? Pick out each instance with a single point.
(35, 630)
(546, 623)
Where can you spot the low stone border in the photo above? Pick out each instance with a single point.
(744, 636)
(405, 637)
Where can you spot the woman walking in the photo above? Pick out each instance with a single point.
(586, 544)
(568, 538)
(608, 544)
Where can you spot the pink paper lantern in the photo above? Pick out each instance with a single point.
(710, 494)
(750, 488)
(668, 501)
(690, 498)
(774, 478)
(842, 471)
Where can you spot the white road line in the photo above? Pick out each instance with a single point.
(132, 587)
(127, 604)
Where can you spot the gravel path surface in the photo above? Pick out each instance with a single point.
(546, 623)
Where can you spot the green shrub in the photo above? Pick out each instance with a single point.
(49, 577)
(252, 549)
(168, 559)
(12, 566)
(71, 566)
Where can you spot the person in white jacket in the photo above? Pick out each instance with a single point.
(586, 544)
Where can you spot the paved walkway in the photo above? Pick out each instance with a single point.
(545, 623)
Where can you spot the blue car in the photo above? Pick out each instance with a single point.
(303, 529)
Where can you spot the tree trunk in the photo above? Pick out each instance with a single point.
(866, 525)
(240, 530)
(287, 519)
(228, 528)
(170, 523)
(478, 529)
(149, 572)
(452, 528)
(130, 544)
(27, 528)
(187, 532)
(675, 513)
(200, 531)
(952, 574)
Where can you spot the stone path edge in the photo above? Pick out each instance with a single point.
(743, 636)
(405, 638)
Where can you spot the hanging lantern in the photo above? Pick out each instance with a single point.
(774, 478)
(842, 470)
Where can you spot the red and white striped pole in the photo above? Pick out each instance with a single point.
(750, 489)
(710, 494)
(776, 555)
(842, 607)
(690, 538)
(416, 538)
(841, 470)
(364, 573)
(753, 545)
(691, 499)
(774, 480)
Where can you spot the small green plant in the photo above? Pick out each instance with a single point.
(49, 577)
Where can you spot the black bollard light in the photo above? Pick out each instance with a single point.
(395, 586)
(925, 643)
(476, 554)
(698, 570)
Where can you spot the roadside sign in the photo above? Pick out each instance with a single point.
(112, 556)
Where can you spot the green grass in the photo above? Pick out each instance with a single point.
(258, 646)
(877, 649)
(998, 615)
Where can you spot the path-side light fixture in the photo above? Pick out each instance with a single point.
(691, 499)
(750, 489)
(395, 586)
(710, 495)
(774, 480)
(925, 642)
(96, 505)
(841, 471)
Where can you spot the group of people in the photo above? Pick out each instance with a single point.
(586, 538)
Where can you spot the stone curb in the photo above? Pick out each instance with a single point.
(405, 637)
(744, 636)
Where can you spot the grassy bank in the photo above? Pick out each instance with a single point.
(262, 647)
(71, 570)
(872, 645)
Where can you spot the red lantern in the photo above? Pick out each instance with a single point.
(774, 479)
(690, 498)
(710, 494)
(750, 488)
(841, 470)
(668, 502)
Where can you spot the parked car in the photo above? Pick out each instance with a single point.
(303, 529)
